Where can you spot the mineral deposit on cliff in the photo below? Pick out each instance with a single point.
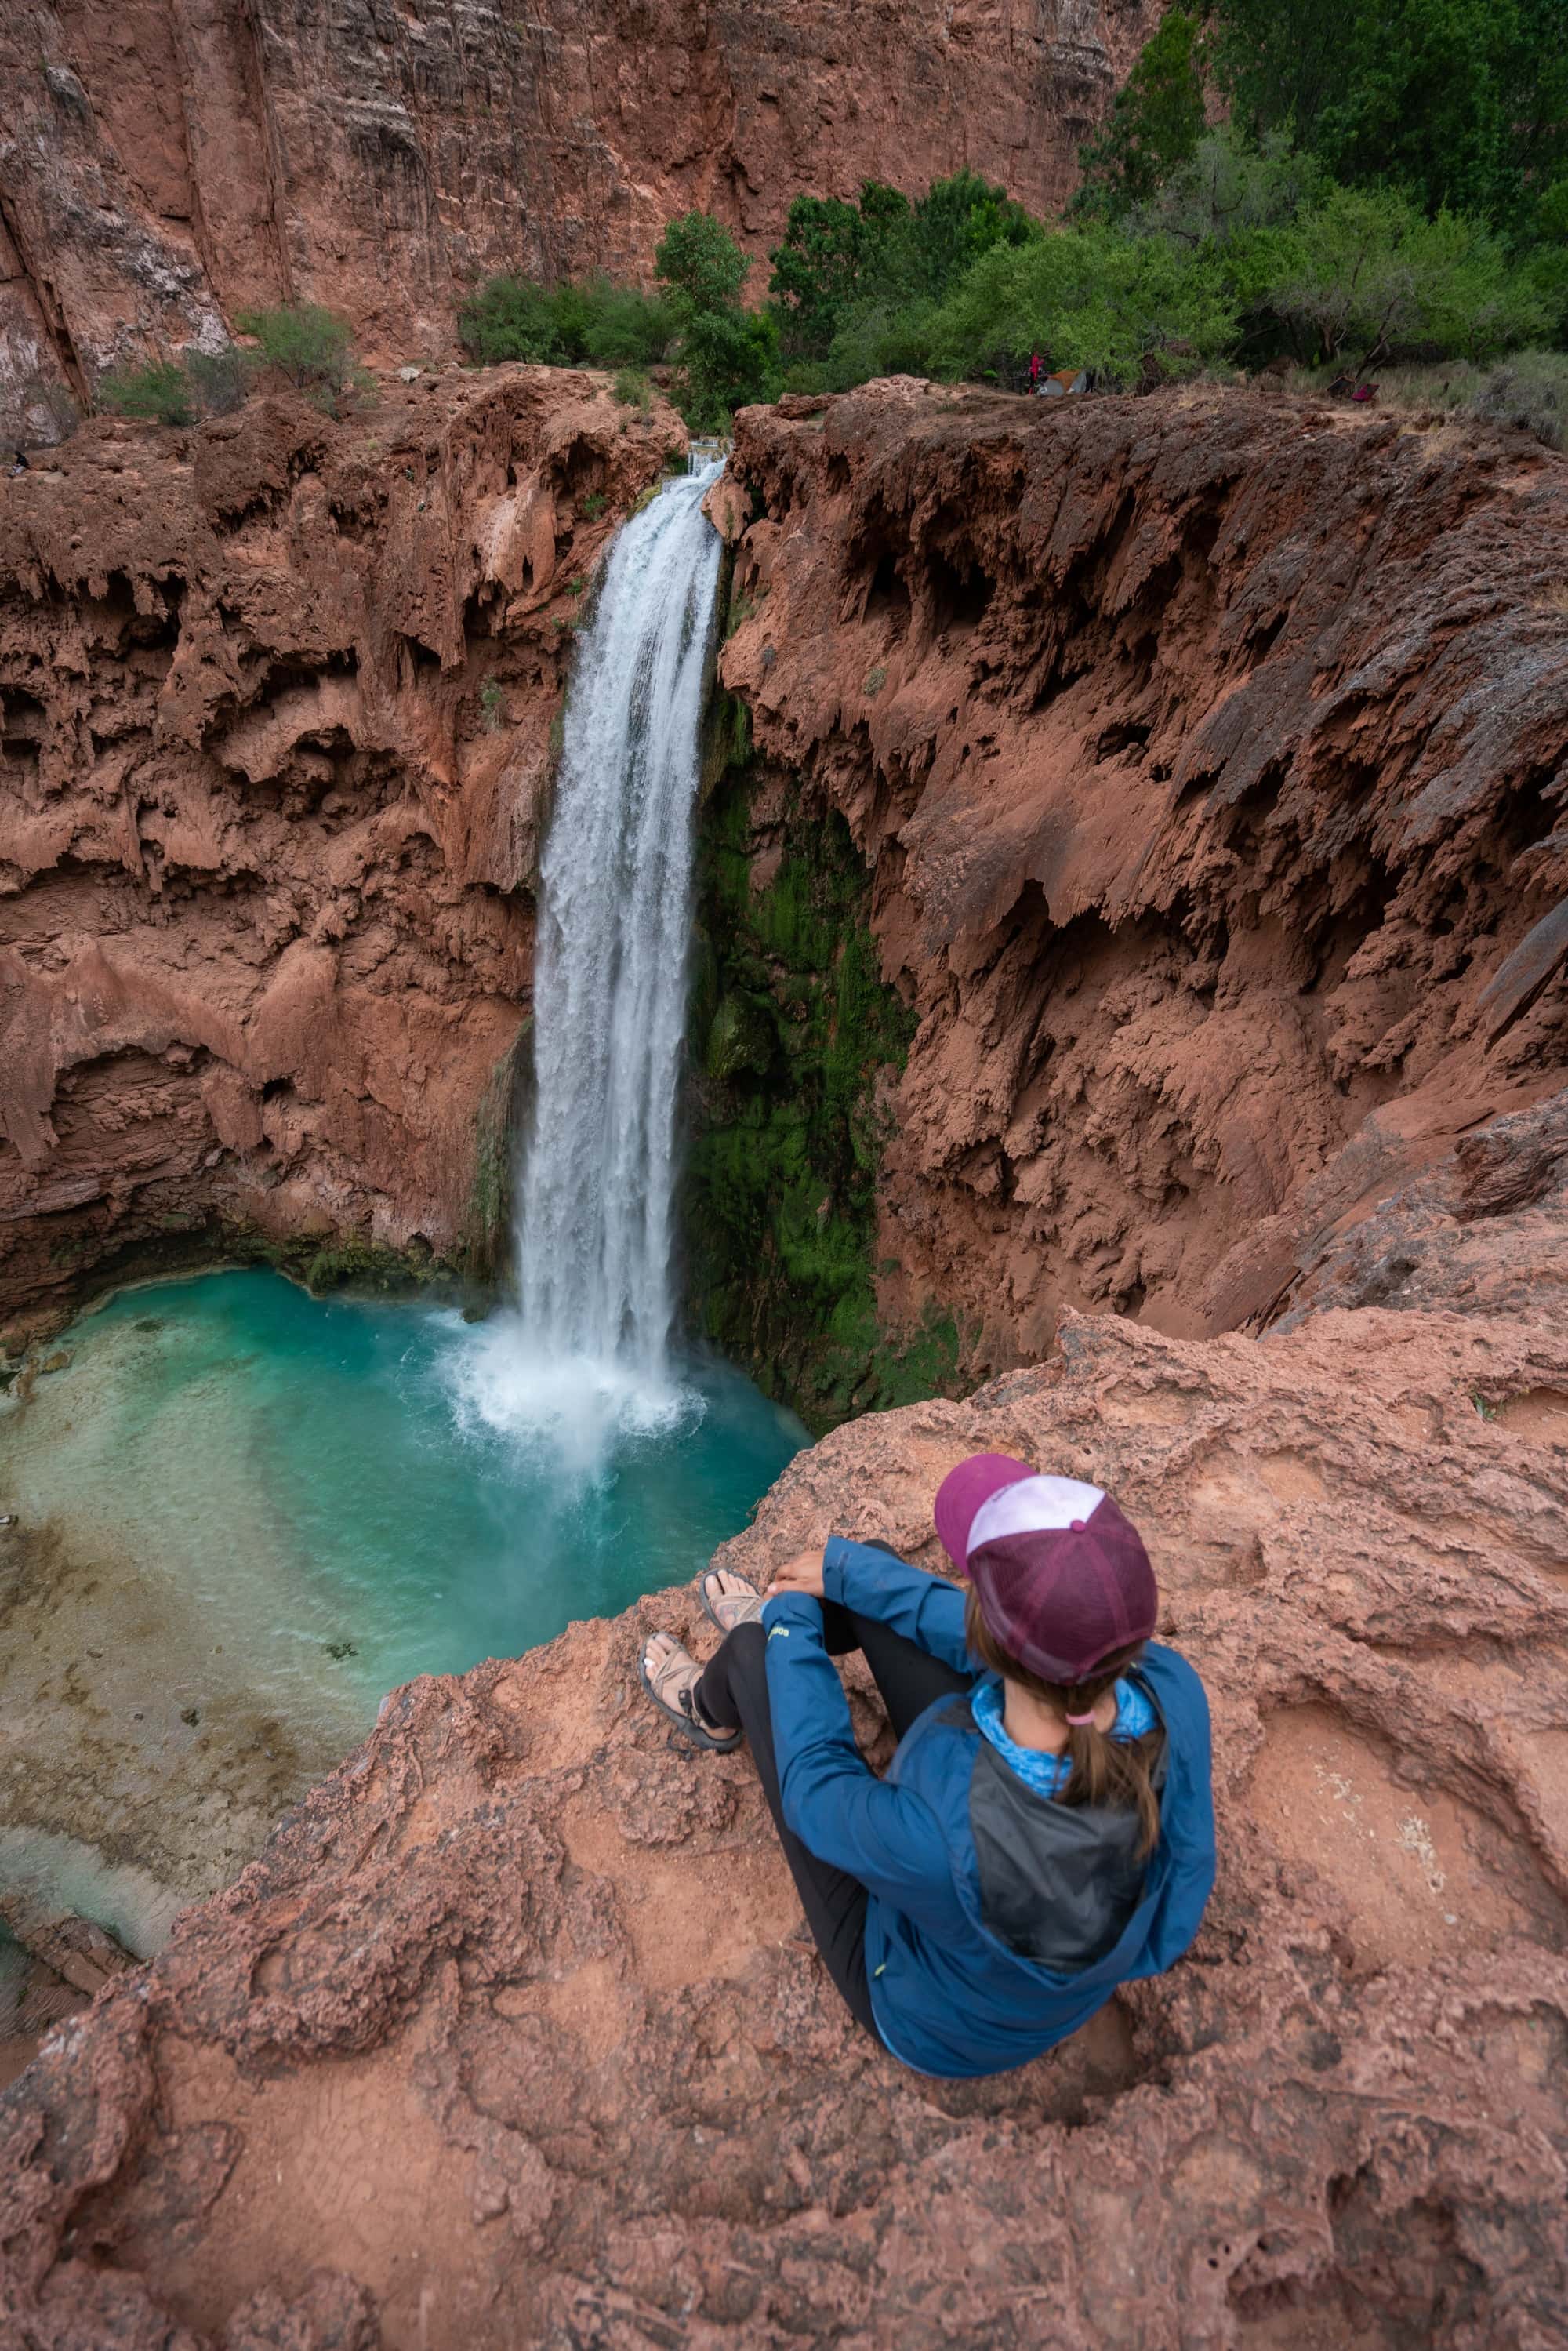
(278, 700)
(1209, 753)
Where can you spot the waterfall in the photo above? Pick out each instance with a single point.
(588, 1351)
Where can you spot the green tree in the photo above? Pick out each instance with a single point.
(1365, 274)
(817, 271)
(729, 356)
(1156, 121)
(1130, 308)
(1465, 102)
(1228, 187)
(955, 223)
(310, 348)
(159, 393)
(882, 339)
(702, 264)
(853, 284)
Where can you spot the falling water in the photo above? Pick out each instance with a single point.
(590, 1350)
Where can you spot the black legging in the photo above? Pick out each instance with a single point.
(733, 1695)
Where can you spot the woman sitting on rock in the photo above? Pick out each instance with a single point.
(1046, 1829)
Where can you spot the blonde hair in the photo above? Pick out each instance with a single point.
(1104, 1770)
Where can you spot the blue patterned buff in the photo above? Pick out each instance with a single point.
(1048, 1774)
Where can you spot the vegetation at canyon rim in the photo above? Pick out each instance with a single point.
(1328, 185)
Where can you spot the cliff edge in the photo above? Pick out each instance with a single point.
(510, 2037)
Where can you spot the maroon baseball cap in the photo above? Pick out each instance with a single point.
(1062, 1577)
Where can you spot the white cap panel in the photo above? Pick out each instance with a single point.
(1031, 1506)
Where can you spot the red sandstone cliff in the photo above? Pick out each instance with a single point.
(165, 163)
(277, 707)
(1210, 785)
(1208, 751)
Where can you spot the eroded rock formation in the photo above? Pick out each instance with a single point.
(1204, 753)
(278, 700)
(508, 2039)
(166, 164)
(1209, 753)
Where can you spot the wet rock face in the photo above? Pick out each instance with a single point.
(507, 2039)
(1208, 752)
(164, 165)
(278, 705)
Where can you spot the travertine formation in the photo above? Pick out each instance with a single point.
(1208, 750)
(508, 2039)
(278, 701)
(1205, 750)
(164, 164)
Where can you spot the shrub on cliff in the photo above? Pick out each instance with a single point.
(220, 381)
(310, 348)
(170, 391)
(158, 394)
(597, 323)
(511, 318)
(1528, 391)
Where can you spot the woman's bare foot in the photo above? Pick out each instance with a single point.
(729, 1599)
(670, 1676)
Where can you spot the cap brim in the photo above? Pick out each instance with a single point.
(961, 1493)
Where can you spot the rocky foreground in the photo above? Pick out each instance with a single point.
(511, 2038)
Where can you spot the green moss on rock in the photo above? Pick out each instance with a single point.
(485, 1240)
(794, 1034)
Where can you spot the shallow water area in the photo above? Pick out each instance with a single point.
(247, 1513)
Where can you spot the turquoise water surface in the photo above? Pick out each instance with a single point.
(321, 1481)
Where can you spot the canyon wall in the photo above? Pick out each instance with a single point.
(166, 163)
(1207, 754)
(280, 701)
(1185, 775)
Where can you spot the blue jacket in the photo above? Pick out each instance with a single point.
(936, 1842)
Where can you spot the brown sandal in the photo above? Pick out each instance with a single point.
(677, 1700)
(728, 1609)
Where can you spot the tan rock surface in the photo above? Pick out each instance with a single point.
(277, 708)
(1208, 751)
(507, 2039)
(166, 163)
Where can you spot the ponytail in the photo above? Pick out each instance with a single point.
(1103, 1770)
